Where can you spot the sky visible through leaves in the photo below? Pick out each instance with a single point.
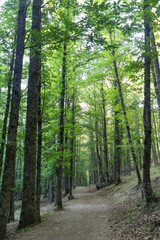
(2, 1)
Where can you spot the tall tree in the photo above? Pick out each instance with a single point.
(59, 168)
(156, 60)
(157, 93)
(148, 192)
(105, 145)
(7, 109)
(39, 153)
(29, 210)
(72, 147)
(9, 167)
(117, 141)
(126, 120)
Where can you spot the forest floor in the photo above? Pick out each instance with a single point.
(112, 213)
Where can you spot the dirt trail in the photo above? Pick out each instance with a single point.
(86, 217)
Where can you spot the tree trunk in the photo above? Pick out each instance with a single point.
(128, 159)
(117, 142)
(105, 146)
(117, 150)
(66, 168)
(19, 170)
(59, 168)
(93, 159)
(11, 208)
(154, 154)
(28, 211)
(156, 61)
(72, 148)
(45, 189)
(39, 153)
(155, 86)
(97, 149)
(7, 110)
(51, 190)
(156, 137)
(148, 192)
(9, 167)
(126, 122)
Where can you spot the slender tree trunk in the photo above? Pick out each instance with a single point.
(66, 169)
(11, 208)
(129, 166)
(72, 148)
(39, 153)
(59, 168)
(9, 167)
(117, 142)
(74, 164)
(127, 162)
(77, 173)
(126, 122)
(93, 157)
(97, 150)
(28, 211)
(7, 110)
(154, 154)
(156, 61)
(155, 86)
(95, 166)
(45, 189)
(156, 137)
(19, 174)
(148, 192)
(105, 145)
(66, 184)
(117, 150)
(51, 190)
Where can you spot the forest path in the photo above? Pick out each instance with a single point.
(86, 217)
(112, 213)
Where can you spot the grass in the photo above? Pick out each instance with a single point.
(22, 230)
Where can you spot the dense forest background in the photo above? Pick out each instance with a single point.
(79, 99)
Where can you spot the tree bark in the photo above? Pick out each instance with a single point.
(105, 146)
(39, 153)
(19, 174)
(117, 142)
(93, 159)
(51, 190)
(117, 156)
(66, 168)
(155, 86)
(156, 61)
(11, 207)
(154, 154)
(97, 149)
(7, 109)
(9, 167)
(28, 211)
(72, 148)
(148, 192)
(59, 168)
